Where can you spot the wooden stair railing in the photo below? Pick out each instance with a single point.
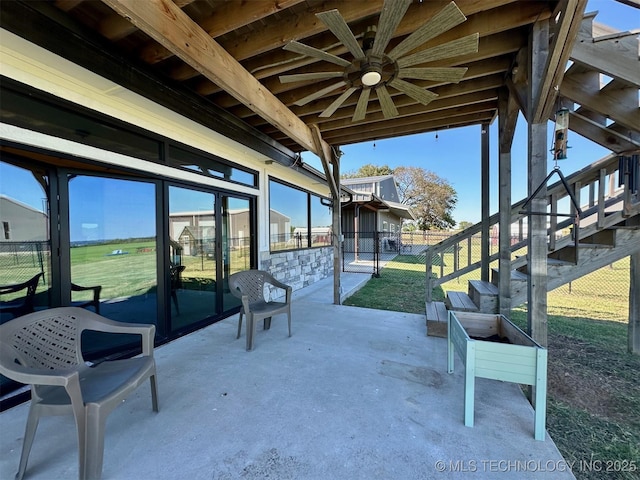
(595, 186)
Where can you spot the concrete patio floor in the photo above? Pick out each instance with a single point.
(353, 394)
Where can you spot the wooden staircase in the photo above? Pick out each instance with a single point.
(606, 112)
(609, 231)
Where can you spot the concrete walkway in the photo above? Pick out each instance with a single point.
(353, 394)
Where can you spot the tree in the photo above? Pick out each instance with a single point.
(369, 170)
(464, 224)
(432, 198)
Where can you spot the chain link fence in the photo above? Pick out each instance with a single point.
(20, 261)
(602, 294)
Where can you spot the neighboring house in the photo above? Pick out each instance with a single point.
(20, 222)
(376, 203)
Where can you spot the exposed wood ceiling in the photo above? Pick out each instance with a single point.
(230, 53)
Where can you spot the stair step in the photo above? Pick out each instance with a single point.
(519, 276)
(551, 262)
(460, 301)
(516, 276)
(483, 288)
(484, 295)
(437, 311)
(601, 238)
(437, 315)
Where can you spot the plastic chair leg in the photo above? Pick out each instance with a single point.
(154, 392)
(239, 325)
(94, 443)
(251, 330)
(29, 435)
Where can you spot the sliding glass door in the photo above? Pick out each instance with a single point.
(117, 255)
(25, 242)
(193, 256)
(112, 250)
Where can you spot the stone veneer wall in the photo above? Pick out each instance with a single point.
(299, 268)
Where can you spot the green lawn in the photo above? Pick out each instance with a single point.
(593, 410)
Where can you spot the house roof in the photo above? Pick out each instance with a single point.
(358, 180)
(400, 210)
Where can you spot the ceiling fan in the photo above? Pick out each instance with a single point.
(373, 69)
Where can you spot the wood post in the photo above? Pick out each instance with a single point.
(507, 119)
(336, 228)
(634, 304)
(484, 235)
(537, 173)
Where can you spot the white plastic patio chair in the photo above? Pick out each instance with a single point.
(249, 286)
(43, 349)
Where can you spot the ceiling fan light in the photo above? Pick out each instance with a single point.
(371, 77)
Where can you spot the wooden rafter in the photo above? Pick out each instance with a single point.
(571, 13)
(169, 25)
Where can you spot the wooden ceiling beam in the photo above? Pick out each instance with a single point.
(163, 21)
(483, 84)
(493, 51)
(114, 27)
(486, 23)
(450, 96)
(477, 70)
(449, 105)
(276, 35)
(497, 50)
(67, 5)
(412, 122)
(227, 17)
(564, 34)
(424, 127)
(489, 48)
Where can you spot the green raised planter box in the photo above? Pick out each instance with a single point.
(521, 361)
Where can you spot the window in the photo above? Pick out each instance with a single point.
(7, 230)
(297, 219)
(210, 166)
(320, 222)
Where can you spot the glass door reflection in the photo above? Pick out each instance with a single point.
(236, 241)
(112, 235)
(192, 256)
(25, 244)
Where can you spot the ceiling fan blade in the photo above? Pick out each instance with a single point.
(454, 48)
(436, 74)
(337, 102)
(389, 110)
(334, 21)
(298, 47)
(361, 107)
(319, 93)
(301, 77)
(444, 20)
(392, 13)
(418, 94)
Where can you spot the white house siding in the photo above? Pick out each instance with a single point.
(23, 223)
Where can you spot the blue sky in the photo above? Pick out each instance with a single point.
(455, 154)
